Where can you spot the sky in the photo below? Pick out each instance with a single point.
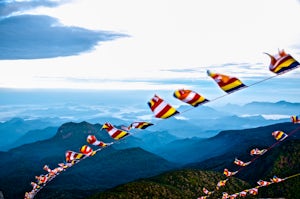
(146, 45)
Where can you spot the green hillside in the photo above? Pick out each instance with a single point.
(173, 185)
(286, 164)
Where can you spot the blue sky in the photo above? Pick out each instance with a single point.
(146, 45)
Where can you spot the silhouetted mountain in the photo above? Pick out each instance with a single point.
(15, 128)
(259, 108)
(286, 164)
(172, 185)
(33, 136)
(108, 168)
(196, 150)
(282, 161)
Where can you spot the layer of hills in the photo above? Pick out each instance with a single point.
(179, 184)
(106, 169)
(202, 122)
(188, 183)
(127, 161)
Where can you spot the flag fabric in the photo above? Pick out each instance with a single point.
(114, 132)
(73, 156)
(160, 108)
(86, 150)
(34, 185)
(275, 179)
(229, 173)
(65, 165)
(226, 83)
(42, 179)
(241, 163)
(256, 151)
(279, 135)
(295, 119)
(243, 193)
(253, 191)
(190, 97)
(221, 183)
(282, 62)
(46, 168)
(205, 191)
(137, 125)
(233, 196)
(263, 183)
(225, 195)
(91, 139)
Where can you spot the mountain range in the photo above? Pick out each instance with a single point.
(283, 161)
(127, 160)
(109, 168)
(201, 122)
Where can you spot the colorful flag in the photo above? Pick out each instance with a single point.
(243, 193)
(233, 196)
(253, 191)
(137, 125)
(263, 183)
(241, 163)
(91, 139)
(86, 150)
(221, 183)
(256, 151)
(282, 62)
(275, 179)
(206, 191)
(160, 108)
(279, 135)
(114, 132)
(295, 119)
(225, 195)
(190, 97)
(73, 156)
(42, 179)
(226, 83)
(229, 173)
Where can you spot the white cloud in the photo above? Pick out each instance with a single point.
(164, 35)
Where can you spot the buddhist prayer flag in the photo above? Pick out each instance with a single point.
(253, 191)
(226, 83)
(241, 163)
(91, 139)
(114, 132)
(73, 156)
(221, 183)
(275, 179)
(206, 191)
(263, 183)
(279, 135)
(160, 108)
(86, 150)
(138, 125)
(243, 193)
(229, 173)
(256, 151)
(295, 119)
(190, 97)
(282, 62)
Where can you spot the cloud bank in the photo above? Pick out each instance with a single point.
(25, 36)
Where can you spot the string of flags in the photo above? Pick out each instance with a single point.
(279, 136)
(280, 64)
(251, 191)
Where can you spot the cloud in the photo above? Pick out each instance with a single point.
(11, 7)
(40, 36)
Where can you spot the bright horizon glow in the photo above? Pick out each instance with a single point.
(164, 37)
